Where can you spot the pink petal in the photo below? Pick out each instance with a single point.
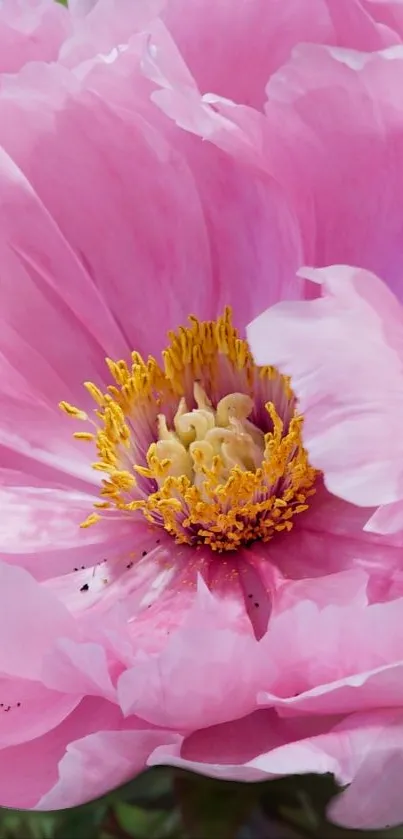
(30, 770)
(100, 762)
(228, 750)
(56, 285)
(355, 393)
(40, 531)
(134, 572)
(257, 747)
(99, 26)
(388, 12)
(236, 742)
(79, 669)
(30, 31)
(357, 27)
(325, 102)
(29, 710)
(331, 103)
(335, 658)
(259, 37)
(374, 800)
(256, 36)
(329, 538)
(258, 580)
(343, 588)
(359, 692)
(387, 519)
(147, 230)
(31, 619)
(235, 199)
(32, 423)
(177, 689)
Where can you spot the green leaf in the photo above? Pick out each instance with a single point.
(214, 809)
(81, 822)
(18, 823)
(146, 824)
(153, 786)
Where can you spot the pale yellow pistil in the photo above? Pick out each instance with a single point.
(204, 436)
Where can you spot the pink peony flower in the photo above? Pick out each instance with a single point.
(145, 637)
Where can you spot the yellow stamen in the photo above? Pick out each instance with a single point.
(71, 411)
(208, 473)
(95, 392)
(91, 519)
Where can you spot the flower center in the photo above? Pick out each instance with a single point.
(206, 438)
(208, 447)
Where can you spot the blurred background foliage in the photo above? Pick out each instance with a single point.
(166, 803)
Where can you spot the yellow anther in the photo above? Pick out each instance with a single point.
(96, 393)
(71, 411)
(90, 520)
